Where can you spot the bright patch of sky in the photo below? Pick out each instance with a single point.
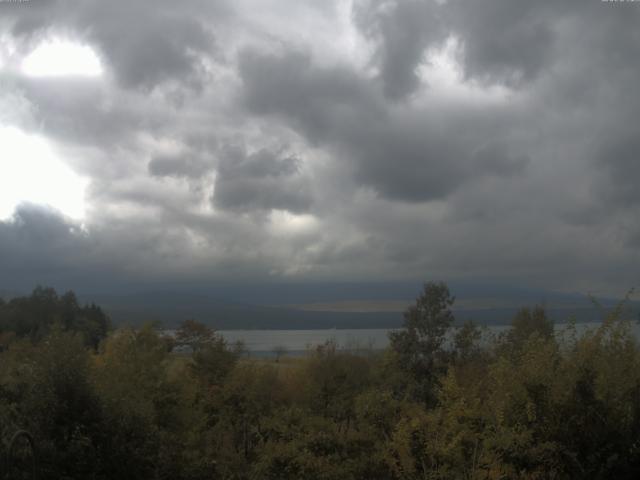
(62, 58)
(31, 172)
(443, 74)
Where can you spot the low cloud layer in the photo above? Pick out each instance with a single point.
(353, 140)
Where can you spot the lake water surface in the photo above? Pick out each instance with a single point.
(295, 342)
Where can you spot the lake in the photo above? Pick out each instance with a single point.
(296, 342)
(263, 342)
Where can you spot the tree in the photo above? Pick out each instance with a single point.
(213, 362)
(279, 351)
(46, 389)
(419, 344)
(140, 403)
(34, 316)
(466, 341)
(528, 322)
(332, 379)
(212, 359)
(195, 335)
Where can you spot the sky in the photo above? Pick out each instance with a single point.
(264, 141)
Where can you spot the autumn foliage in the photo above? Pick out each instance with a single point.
(444, 401)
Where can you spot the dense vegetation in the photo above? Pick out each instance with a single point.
(442, 402)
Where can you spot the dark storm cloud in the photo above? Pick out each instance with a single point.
(408, 162)
(504, 41)
(320, 101)
(40, 244)
(34, 229)
(407, 156)
(260, 181)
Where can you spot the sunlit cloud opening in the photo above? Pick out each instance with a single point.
(30, 172)
(287, 223)
(62, 58)
(443, 74)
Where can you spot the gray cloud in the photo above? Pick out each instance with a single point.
(408, 162)
(227, 141)
(406, 156)
(145, 43)
(39, 245)
(402, 31)
(319, 101)
(260, 181)
(178, 166)
(618, 157)
(496, 159)
(500, 41)
(504, 41)
(82, 111)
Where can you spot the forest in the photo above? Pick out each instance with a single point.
(444, 401)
